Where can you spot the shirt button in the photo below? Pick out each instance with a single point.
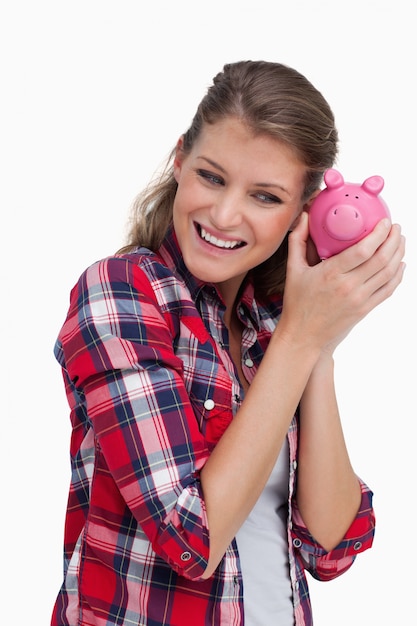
(248, 362)
(297, 543)
(357, 545)
(185, 556)
(294, 465)
(209, 404)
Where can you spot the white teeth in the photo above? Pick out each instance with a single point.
(220, 243)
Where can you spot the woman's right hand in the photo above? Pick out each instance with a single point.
(323, 302)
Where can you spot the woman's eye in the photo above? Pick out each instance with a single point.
(267, 198)
(210, 177)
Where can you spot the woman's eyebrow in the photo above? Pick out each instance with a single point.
(212, 163)
(273, 185)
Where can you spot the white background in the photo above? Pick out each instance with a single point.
(93, 96)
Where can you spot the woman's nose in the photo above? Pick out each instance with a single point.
(226, 212)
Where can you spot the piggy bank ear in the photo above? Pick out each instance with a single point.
(373, 185)
(333, 179)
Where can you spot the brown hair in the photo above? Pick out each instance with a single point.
(272, 99)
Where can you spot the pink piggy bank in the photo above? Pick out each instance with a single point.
(343, 213)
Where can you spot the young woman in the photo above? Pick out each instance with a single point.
(209, 465)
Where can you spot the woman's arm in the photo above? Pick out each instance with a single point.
(328, 490)
(321, 304)
(240, 464)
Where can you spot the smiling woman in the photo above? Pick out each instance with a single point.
(210, 471)
(230, 204)
(271, 101)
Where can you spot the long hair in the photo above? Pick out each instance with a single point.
(272, 99)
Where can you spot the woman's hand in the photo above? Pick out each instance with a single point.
(323, 302)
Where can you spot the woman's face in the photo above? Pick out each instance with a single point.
(238, 195)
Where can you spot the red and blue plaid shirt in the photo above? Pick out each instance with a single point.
(151, 388)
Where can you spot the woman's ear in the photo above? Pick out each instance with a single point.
(312, 255)
(179, 157)
(295, 222)
(310, 200)
(306, 207)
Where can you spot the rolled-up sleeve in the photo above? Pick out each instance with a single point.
(324, 565)
(117, 348)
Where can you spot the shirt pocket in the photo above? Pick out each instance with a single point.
(213, 412)
(210, 393)
(208, 383)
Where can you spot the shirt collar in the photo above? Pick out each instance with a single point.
(171, 254)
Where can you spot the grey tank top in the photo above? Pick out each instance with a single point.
(262, 543)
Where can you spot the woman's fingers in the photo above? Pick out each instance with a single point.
(376, 278)
(384, 265)
(389, 267)
(362, 251)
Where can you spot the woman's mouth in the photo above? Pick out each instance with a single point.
(228, 244)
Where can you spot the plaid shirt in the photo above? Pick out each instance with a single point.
(151, 388)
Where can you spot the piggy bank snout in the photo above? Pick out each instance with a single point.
(344, 222)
